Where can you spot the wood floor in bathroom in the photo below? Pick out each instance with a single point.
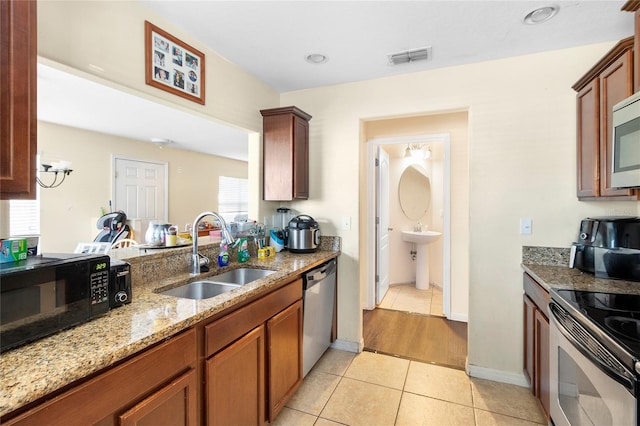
(425, 338)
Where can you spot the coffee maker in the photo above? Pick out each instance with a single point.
(608, 247)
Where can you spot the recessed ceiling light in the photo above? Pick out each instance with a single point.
(540, 15)
(316, 58)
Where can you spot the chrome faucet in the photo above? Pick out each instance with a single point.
(418, 227)
(226, 237)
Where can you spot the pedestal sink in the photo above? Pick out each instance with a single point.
(421, 239)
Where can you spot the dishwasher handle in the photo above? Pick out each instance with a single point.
(313, 277)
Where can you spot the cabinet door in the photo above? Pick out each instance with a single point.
(18, 99)
(235, 382)
(588, 121)
(616, 84)
(103, 399)
(284, 340)
(300, 158)
(174, 404)
(529, 336)
(542, 360)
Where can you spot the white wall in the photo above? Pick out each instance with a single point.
(521, 164)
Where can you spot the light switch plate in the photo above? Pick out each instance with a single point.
(525, 226)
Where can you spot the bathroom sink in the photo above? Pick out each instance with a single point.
(420, 237)
(200, 290)
(218, 284)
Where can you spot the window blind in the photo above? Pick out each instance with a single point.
(24, 217)
(233, 197)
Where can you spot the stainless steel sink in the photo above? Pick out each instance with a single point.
(200, 290)
(241, 276)
(218, 284)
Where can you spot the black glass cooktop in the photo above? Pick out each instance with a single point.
(617, 315)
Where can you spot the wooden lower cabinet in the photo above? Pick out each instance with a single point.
(235, 382)
(254, 359)
(543, 391)
(157, 387)
(536, 341)
(529, 338)
(284, 339)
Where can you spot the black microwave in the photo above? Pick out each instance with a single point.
(48, 293)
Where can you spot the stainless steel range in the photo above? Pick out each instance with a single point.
(594, 358)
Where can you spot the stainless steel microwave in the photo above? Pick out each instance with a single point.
(625, 170)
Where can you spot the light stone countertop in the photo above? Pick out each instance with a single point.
(39, 368)
(563, 277)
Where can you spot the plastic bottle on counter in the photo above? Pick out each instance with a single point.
(223, 257)
(243, 250)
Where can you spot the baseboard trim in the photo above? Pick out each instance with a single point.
(349, 346)
(497, 375)
(459, 317)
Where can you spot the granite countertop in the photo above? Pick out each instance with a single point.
(39, 368)
(562, 277)
(549, 266)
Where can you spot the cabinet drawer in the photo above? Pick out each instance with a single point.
(111, 393)
(229, 328)
(536, 293)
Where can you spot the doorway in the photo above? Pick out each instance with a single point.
(404, 253)
(140, 190)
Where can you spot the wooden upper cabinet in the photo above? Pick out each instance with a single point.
(18, 121)
(607, 83)
(285, 154)
(634, 6)
(588, 120)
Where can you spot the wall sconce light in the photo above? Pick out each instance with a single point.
(61, 170)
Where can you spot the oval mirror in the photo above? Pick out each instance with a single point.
(414, 192)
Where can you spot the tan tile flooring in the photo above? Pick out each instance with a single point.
(407, 298)
(372, 389)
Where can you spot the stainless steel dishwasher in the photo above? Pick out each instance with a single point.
(318, 304)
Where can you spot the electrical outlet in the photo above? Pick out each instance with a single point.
(525, 226)
(346, 223)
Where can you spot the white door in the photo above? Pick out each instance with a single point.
(382, 225)
(140, 190)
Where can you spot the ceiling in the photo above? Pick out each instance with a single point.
(270, 39)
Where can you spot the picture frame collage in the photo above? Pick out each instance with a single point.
(173, 65)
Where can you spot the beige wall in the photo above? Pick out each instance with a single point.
(69, 212)
(110, 35)
(521, 164)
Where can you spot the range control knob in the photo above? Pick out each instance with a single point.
(121, 297)
(584, 236)
(637, 366)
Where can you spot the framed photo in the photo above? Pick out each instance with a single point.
(172, 65)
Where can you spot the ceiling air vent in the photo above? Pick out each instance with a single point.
(421, 54)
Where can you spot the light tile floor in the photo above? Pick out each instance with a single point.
(372, 389)
(407, 298)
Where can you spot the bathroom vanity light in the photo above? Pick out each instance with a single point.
(418, 151)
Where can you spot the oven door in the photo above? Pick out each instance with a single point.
(583, 391)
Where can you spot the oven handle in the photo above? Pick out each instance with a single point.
(627, 380)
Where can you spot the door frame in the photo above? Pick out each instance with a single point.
(141, 160)
(369, 302)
